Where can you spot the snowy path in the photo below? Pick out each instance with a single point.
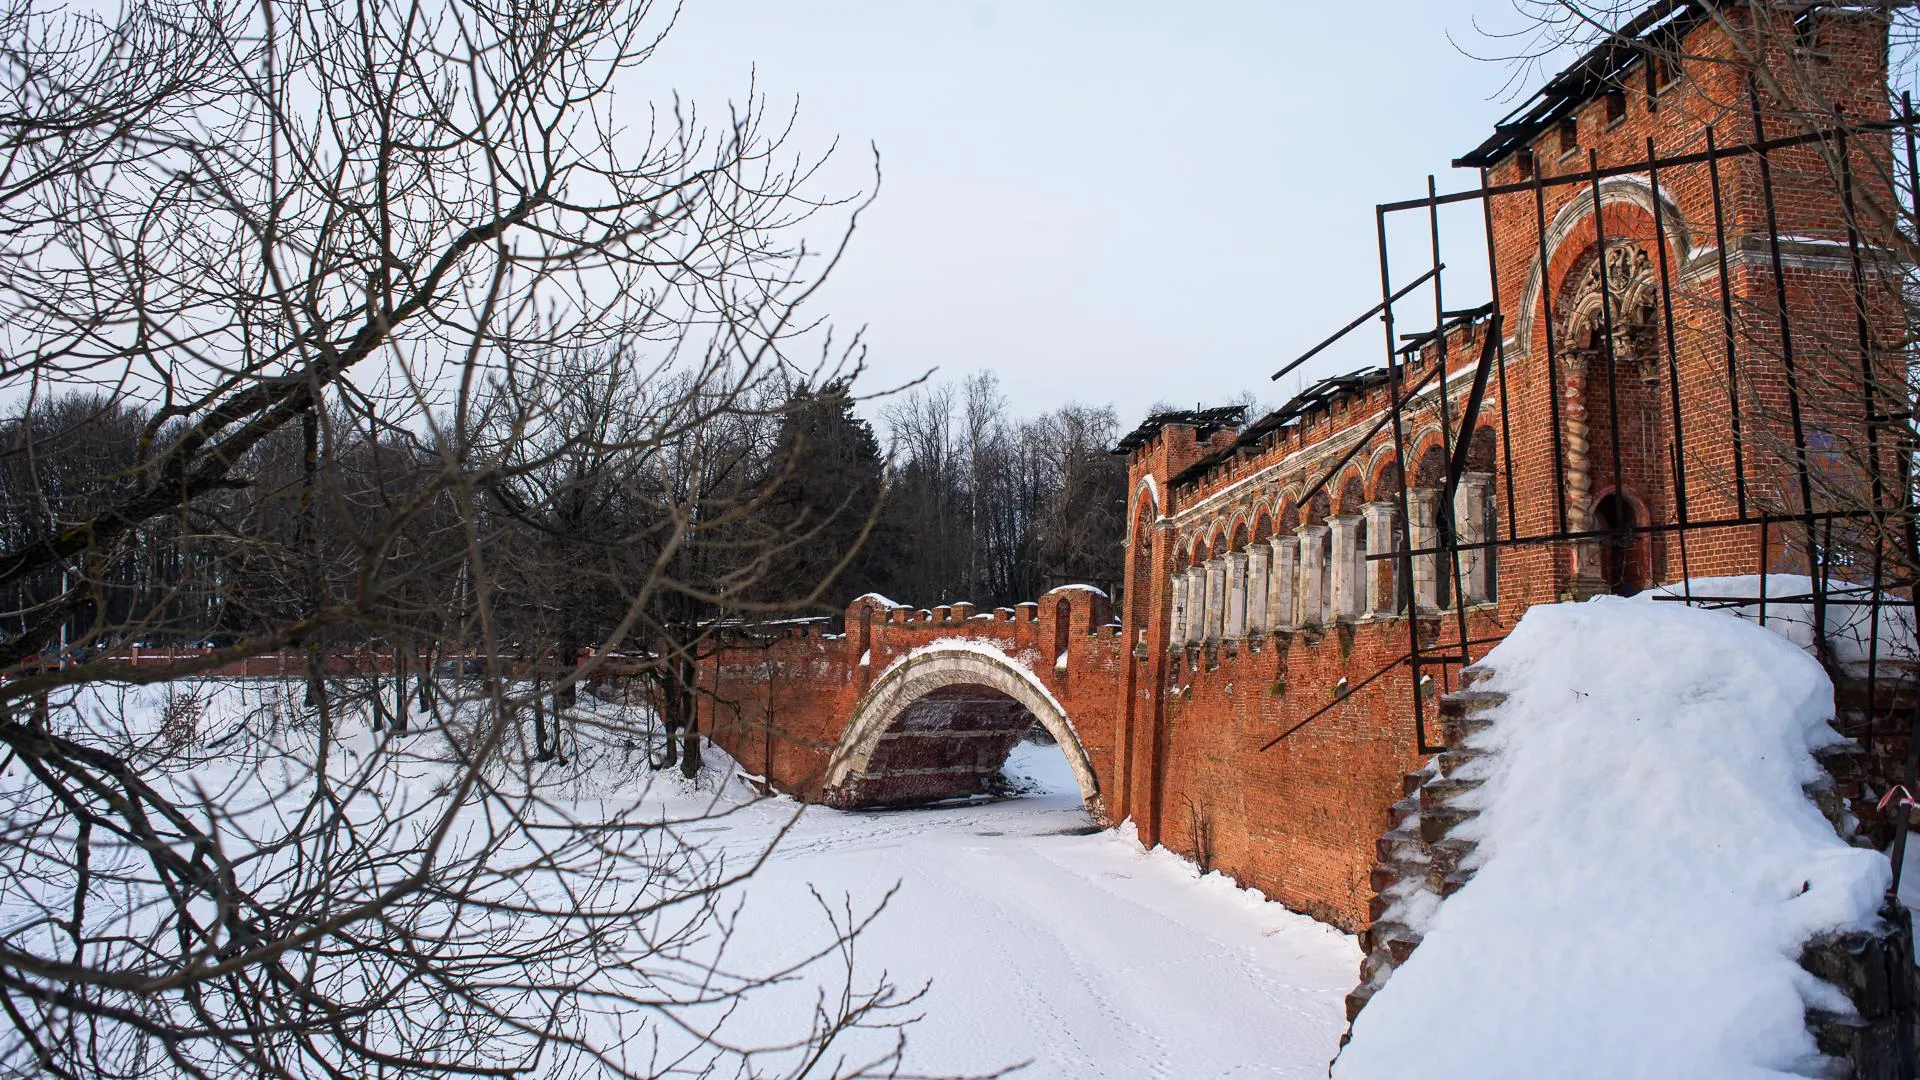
(1078, 953)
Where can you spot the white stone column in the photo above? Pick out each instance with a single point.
(1382, 598)
(1259, 560)
(1346, 568)
(1196, 604)
(1471, 520)
(1216, 598)
(1313, 570)
(1177, 633)
(1280, 592)
(1236, 595)
(1423, 533)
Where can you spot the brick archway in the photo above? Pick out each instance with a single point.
(941, 718)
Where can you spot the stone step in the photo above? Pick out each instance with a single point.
(1436, 822)
(1401, 845)
(1459, 729)
(1470, 701)
(1453, 882)
(1474, 674)
(1442, 793)
(1451, 761)
(1444, 859)
(1401, 812)
(1386, 875)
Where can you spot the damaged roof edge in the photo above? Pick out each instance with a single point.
(1599, 67)
(1207, 420)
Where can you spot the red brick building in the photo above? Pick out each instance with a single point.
(1669, 387)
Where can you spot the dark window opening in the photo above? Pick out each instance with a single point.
(1620, 568)
(1665, 70)
(1569, 135)
(1806, 30)
(1523, 161)
(1616, 100)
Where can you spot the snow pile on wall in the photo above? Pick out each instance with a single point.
(1852, 633)
(1649, 865)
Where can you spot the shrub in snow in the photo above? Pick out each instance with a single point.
(1649, 866)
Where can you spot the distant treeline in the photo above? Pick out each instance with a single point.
(971, 503)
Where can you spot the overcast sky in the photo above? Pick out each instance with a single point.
(1115, 201)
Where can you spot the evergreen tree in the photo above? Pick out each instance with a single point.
(826, 501)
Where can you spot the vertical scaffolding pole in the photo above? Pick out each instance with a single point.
(1606, 330)
(1553, 365)
(1678, 442)
(1500, 364)
(1400, 455)
(1870, 420)
(1726, 323)
(1815, 558)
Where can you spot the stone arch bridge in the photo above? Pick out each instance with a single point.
(917, 706)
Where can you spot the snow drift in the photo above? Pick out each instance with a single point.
(1649, 865)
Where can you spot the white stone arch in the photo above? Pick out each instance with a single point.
(1578, 213)
(1376, 462)
(955, 663)
(1148, 491)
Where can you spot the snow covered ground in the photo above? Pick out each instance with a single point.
(1078, 953)
(1039, 941)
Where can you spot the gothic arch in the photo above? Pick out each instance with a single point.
(1146, 495)
(1630, 296)
(1350, 493)
(1240, 534)
(1574, 222)
(1430, 464)
(920, 690)
(1287, 517)
(1384, 473)
(1483, 450)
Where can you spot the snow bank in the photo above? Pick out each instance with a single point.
(1850, 626)
(1649, 865)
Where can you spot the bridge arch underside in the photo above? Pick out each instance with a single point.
(941, 728)
(949, 743)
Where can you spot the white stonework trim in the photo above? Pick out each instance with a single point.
(1382, 574)
(1280, 594)
(1177, 634)
(1236, 595)
(1259, 563)
(1216, 626)
(1312, 577)
(1470, 514)
(1423, 532)
(1345, 569)
(1196, 604)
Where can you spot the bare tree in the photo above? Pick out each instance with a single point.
(398, 298)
